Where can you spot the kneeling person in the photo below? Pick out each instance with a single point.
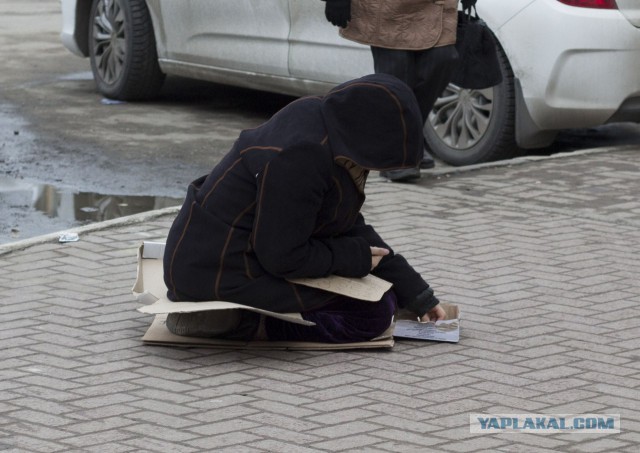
(285, 203)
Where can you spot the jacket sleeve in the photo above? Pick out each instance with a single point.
(412, 291)
(291, 190)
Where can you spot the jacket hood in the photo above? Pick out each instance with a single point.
(375, 122)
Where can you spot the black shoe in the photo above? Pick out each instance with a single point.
(404, 175)
(205, 324)
(427, 161)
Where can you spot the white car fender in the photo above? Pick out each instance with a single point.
(68, 33)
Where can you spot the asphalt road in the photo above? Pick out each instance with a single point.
(66, 134)
(58, 138)
(65, 153)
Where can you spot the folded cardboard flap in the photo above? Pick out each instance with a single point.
(164, 306)
(150, 290)
(152, 250)
(452, 311)
(369, 287)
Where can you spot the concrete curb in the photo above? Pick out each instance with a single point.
(113, 223)
(526, 160)
(145, 216)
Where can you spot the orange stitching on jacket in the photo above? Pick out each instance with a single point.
(215, 185)
(232, 229)
(232, 166)
(251, 148)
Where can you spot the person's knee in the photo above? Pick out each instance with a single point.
(388, 304)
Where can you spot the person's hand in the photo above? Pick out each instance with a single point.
(466, 4)
(377, 253)
(437, 313)
(338, 12)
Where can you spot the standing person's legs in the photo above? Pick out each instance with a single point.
(402, 64)
(434, 68)
(398, 63)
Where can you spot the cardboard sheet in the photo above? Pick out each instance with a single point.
(158, 334)
(150, 291)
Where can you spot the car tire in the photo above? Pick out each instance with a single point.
(467, 127)
(122, 50)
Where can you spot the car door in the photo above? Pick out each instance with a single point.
(241, 35)
(317, 52)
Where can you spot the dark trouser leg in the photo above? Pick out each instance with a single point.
(344, 321)
(434, 68)
(399, 63)
(402, 64)
(427, 72)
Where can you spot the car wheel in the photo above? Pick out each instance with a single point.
(122, 50)
(468, 127)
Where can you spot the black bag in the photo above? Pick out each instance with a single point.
(478, 65)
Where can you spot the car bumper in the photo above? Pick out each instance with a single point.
(573, 79)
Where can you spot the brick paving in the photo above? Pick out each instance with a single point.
(541, 257)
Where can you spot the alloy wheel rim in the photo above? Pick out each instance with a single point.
(460, 117)
(109, 40)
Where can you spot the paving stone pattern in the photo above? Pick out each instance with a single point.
(542, 259)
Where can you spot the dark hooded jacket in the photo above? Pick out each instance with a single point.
(282, 205)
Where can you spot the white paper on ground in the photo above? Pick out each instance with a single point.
(448, 330)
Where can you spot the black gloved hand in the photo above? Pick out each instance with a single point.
(466, 4)
(338, 12)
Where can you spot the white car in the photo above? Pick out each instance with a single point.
(566, 63)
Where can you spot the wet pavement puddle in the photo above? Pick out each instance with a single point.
(75, 206)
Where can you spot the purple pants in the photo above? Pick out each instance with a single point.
(344, 321)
